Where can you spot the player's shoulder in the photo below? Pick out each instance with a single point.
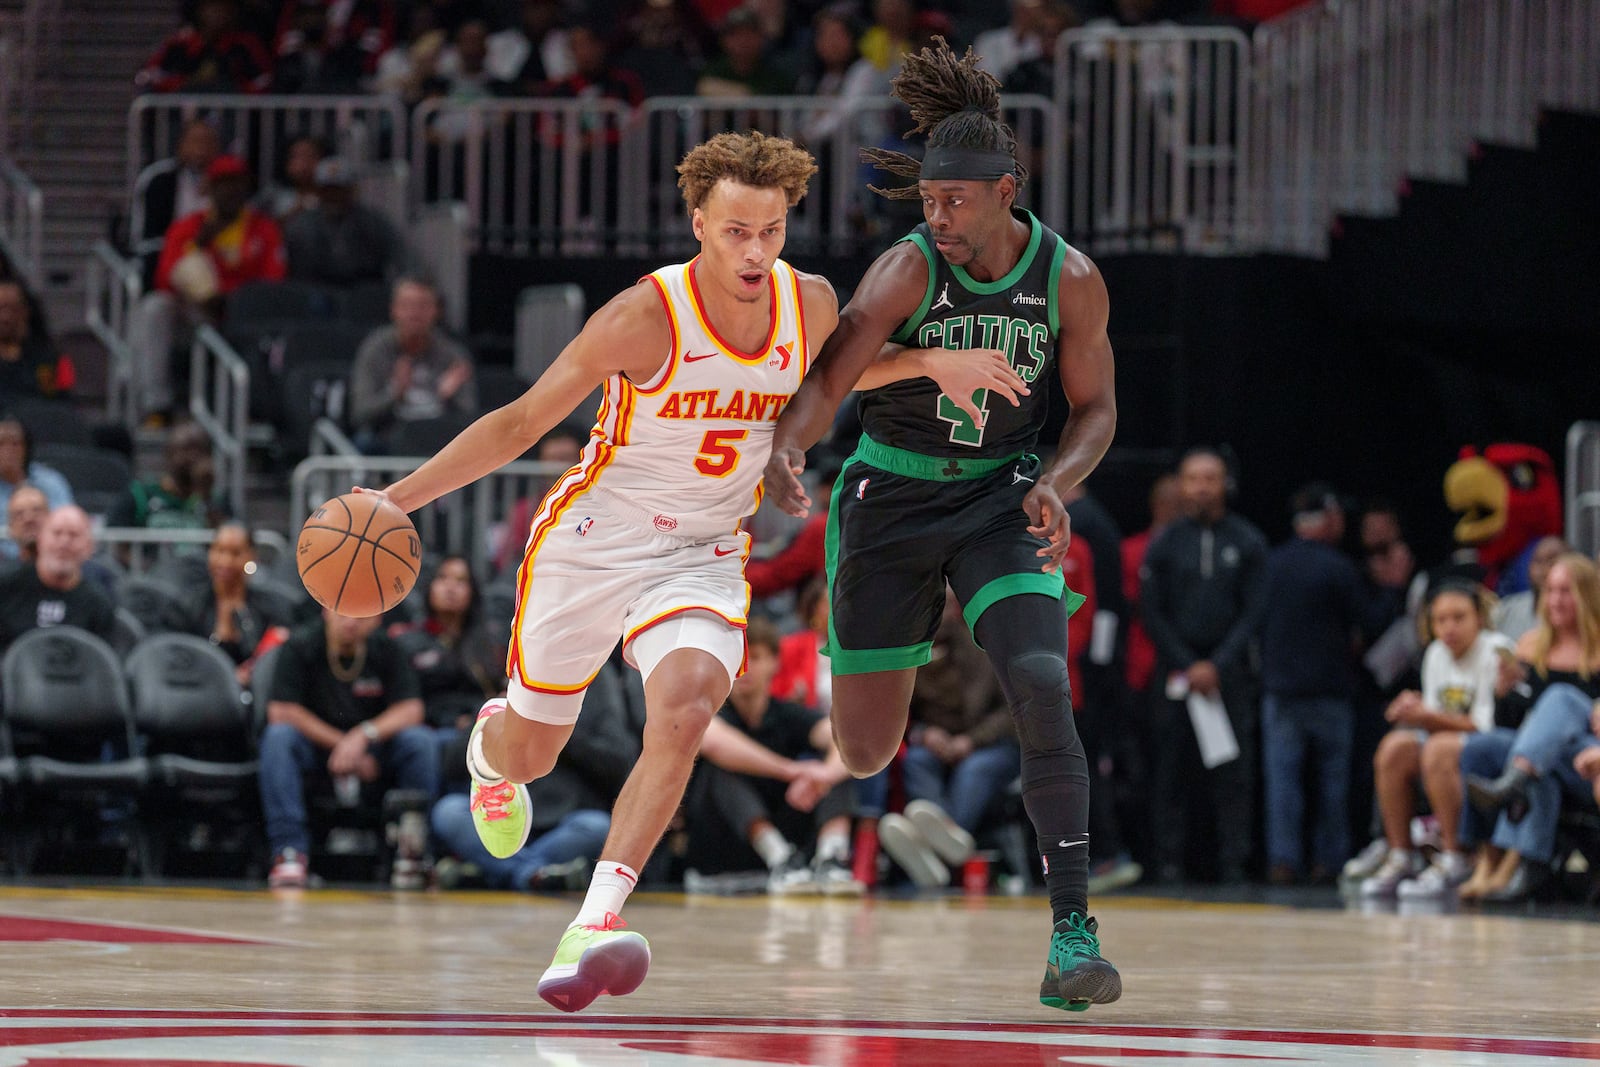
(816, 292)
(637, 313)
(1076, 266)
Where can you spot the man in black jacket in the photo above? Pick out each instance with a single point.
(1202, 601)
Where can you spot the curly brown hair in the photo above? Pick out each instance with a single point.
(752, 159)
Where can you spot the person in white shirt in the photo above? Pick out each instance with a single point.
(1460, 672)
(1002, 50)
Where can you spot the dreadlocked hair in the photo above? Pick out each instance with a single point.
(952, 101)
(752, 159)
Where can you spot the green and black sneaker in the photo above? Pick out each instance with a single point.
(1076, 975)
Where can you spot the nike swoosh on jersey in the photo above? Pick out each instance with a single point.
(687, 358)
(1069, 844)
(719, 551)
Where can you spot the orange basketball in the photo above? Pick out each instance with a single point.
(358, 554)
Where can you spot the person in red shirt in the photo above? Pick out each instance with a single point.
(205, 256)
(804, 676)
(1165, 504)
(210, 56)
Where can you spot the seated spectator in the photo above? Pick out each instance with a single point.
(343, 704)
(570, 806)
(532, 52)
(459, 661)
(409, 370)
(206, 256)
(30, 363)
(1460, 674)
(52, 591)
(182, 498)
(771, 784)
(1518, 613)
(312, 57)
(232, 614)
(665, 47)
(562, 447)
(340, 241)
(837, 71)
(17, 466)
(1004, 48)
(460, 77)
(1037, 73)
(175, 187)
(408, 69)
(961, 754)
(210, 56)
(356, 32)
(741, 67)
(1556, 678)
(299, 191)
(804, 676)
(25, 515)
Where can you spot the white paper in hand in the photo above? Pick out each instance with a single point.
(1212, 730)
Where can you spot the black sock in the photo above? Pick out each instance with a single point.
(1058, 801)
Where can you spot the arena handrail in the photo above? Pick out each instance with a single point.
(22, 224)
(113, 284)
(219, 400)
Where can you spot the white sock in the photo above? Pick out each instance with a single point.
(477, 765)
(773, 848)
(833, 845)
(608, 889)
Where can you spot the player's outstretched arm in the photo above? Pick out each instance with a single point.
(1088, 378)
(630, 334)
(886, 297)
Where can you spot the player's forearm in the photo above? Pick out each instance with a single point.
(1084, 441)
(809, 415)
(894, 364)
(487, 445)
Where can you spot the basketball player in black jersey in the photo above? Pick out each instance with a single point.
(949, 336)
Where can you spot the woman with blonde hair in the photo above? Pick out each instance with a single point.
(1556, 750)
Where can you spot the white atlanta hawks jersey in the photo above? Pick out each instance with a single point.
(690, 446)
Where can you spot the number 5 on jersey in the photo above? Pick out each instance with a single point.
(718, 456)
(963, 431)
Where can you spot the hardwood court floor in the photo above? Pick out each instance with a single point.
(169, 976)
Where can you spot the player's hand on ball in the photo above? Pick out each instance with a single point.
(962, 373)
(783, 487)
(1047, 518)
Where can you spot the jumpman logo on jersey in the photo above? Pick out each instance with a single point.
(944, 300)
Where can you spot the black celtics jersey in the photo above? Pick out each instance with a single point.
(1017, 314)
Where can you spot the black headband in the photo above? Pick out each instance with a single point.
(950, 163)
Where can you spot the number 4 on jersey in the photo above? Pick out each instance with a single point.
(963, 431)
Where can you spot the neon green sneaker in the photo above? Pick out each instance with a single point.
(592, 960)
(499, 811)
(1075, 974)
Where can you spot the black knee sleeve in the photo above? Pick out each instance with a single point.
(1042, 703)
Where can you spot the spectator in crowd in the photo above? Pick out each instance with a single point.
(25, 514)
(771, 784)
(1166, 504)
(175, 187)
(341, 241)
(409, 370)
(1555, 678)
(52, 591)
(1202, 601)
(206, 256)
(325, 47)
(18, 467)
(1315, 603)
(210, 56)
(1037, 73)
(665, 49)
(533, 51)
(231, 613)
(741, 66)
(560, 447)
(461, 77)
(1518, 613)
(299, 191)
(891, 35)
(345, 704)
(570, 807)
(30, 363)
(961, 753)
(1460, 676)
(459, 659)
(409, 68)
(182, 497)
(1002, 49)
(836, 71)
(804, 676)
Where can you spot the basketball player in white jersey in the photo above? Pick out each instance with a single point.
(641, 540)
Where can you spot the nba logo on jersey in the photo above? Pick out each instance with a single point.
(861, 490)
(584, 524)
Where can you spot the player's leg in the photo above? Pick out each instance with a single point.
(869, 716)
(688, 663)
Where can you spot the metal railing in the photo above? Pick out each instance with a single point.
(139, 549)
(22, 224)
(442, 233)
(362, 128)
(113, 284)
(219, 400)
(1158, 130)
(1583, 487)
(461, 522)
